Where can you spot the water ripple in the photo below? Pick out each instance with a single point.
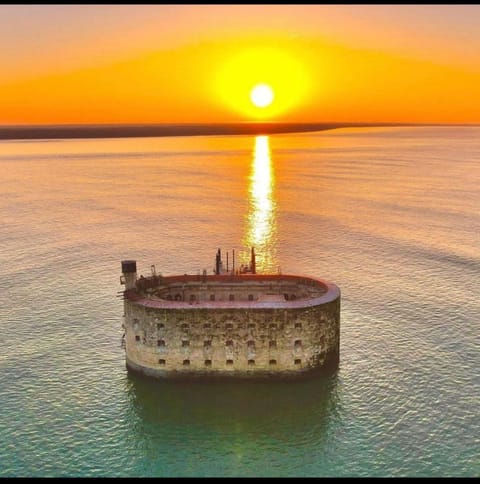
(399, 237)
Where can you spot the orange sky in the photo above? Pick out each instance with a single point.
(193, 64)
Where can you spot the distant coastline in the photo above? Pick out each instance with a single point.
(153, 130)
(25, 132)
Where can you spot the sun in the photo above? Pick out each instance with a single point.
(262, 95)
(262, 82)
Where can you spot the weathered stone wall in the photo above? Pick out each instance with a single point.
(172, 342)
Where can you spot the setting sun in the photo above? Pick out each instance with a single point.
(262, 81)
(262, 95)
(205, 64)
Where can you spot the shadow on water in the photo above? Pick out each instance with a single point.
(252, 407)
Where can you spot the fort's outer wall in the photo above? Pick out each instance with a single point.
(253, 342)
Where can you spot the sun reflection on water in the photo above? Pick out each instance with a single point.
(261, 224)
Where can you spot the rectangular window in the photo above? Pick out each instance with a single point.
(298, 362)
(161, 362)
(137, 338)
(272, 362)
(229, 362)
(208, 362)
(186, 362)
(251, 362)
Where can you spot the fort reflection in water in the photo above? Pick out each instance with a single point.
(261, 218)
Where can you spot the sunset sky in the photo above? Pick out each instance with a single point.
(199, 63)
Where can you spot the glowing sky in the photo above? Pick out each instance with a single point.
(198, 63)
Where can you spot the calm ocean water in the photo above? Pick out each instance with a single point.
(391, 215)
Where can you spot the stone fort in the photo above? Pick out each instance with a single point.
(230, 324)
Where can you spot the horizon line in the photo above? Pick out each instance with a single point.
(131, 130)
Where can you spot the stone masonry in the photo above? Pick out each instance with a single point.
(243, 326)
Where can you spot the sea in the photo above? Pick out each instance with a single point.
(391, 215)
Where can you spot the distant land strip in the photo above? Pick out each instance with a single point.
(152, 130)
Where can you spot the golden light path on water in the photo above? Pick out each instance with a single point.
(261, 223)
